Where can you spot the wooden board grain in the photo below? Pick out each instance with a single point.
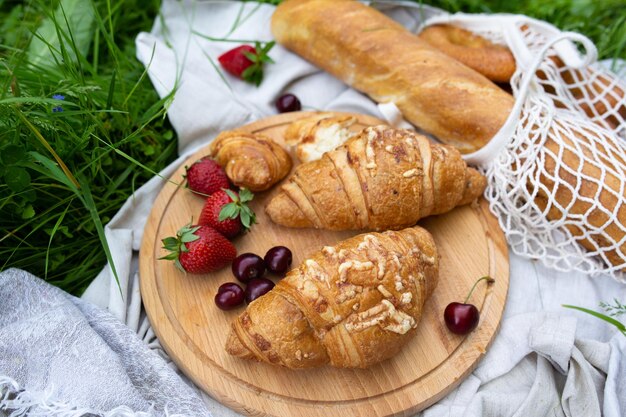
(193, 330)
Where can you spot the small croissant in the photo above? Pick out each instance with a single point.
(382, 178)
(250, 160)
(351, 306)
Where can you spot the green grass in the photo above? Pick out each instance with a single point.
(66, 173)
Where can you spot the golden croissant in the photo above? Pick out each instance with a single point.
(250, 160)
(350, 306)
(382, 178)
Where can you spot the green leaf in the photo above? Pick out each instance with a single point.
(28, 212)
(87, 199)
(229, 211)
(251, 56)
(189, 237)
(179, 265)
(17, 178)
(245, 219)
(12, 155)
(169, 241)
(245, 195)
(70, 27)
(234, 197)
(52, 233)
(610, 320)
(170, 256)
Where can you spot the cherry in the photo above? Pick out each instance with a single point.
(256, 288)
(248, 266)
(462, 318)
(229, 296)
(278, 259)
(288, 102)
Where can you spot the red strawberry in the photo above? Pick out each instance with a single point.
(227, 212)
(246, 62)
(199, 249)
(205, 176)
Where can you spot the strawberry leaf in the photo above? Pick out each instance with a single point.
(170, 256)
(179, 265)
(231, 194)
(189, 237)
(245, 195)
(251, 56)
(229, 211)
(254, 73)
(244, 216)
(169, 241)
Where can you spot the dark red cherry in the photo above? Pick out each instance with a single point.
(288, 102)
(462, 318)
(248, 266)
(256, 288)
(278, 259)
(229, 296)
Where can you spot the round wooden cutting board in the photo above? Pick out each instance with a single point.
(193, 330)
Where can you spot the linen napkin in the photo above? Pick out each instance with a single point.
(62, 356)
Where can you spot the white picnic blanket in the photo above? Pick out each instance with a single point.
(546, 360)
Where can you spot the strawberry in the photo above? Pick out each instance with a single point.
(199, 249)
(246, 62)
(227, 212)
(205, 176)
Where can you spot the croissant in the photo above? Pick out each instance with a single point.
(382, 178)
(250, 160)
(350, 306)
(322, 132)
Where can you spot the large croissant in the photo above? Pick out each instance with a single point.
(350, 306)
(251, 160)
(382, 178)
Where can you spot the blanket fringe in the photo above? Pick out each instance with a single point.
(18, 402)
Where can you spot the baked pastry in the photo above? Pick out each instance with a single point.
(350, 306)
(495, 62)
(382, 178)
(378, 56)
(250, 160)
(312, 136)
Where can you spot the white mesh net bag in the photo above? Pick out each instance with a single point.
(557, 168)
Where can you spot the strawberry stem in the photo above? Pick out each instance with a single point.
(489, 281)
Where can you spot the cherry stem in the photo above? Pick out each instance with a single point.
(489, 281)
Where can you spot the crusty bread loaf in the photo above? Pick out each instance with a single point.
(378, 56)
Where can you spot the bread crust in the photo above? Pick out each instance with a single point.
(382, 178)
(351, 305)
(252, 161)
(378, 56)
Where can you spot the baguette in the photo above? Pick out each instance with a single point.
(379, 57)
